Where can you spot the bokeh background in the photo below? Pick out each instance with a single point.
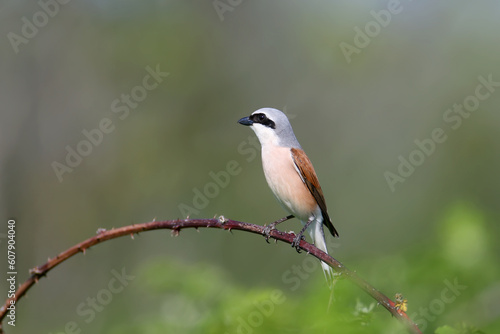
(433, 237)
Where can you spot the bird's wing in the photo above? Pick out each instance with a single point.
(306, 172)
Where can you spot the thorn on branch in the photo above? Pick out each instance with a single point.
(100, 230)
(175, 232)
(222, 219)
(35, 271)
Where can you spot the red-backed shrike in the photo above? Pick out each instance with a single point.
(291, 176)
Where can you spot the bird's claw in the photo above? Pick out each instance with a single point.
(296, 242)
(267, 231)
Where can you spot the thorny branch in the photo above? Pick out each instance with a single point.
(220, 223)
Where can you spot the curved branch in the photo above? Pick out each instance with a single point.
(220, 223)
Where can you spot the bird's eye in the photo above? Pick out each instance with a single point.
(262, 119)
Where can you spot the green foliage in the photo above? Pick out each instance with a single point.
(459, 329)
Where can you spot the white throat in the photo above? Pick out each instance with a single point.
(266, 135)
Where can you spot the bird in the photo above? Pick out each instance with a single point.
(291, 177)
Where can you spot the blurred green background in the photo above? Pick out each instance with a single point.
(431, 237)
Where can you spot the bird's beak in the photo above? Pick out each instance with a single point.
(245, 121)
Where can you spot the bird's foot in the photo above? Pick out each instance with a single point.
(272, 226)
(267, 230)
(296, 241)
(300, 236)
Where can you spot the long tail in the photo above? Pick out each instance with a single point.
(318, 236)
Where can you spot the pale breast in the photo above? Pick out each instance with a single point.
(285, 182)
